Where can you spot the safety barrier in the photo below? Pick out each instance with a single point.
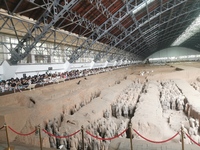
(192, 140)
(1, 127)
(60, 137)
(38, 130)
(157, 142)
(27, 134)
(104, 139)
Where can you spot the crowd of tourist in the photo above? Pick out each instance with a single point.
(19, 84)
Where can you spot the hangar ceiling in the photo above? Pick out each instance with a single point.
(135, 28)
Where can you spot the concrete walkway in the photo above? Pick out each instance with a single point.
(16, 146)
(124, 144)
(118, 144)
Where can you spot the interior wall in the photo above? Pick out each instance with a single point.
(8, 71)
(175, 53)
(80, 66)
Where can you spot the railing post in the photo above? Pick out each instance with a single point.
(82, 131)
(131, 137)
(182, 138)
(39, 130)
(8, 142)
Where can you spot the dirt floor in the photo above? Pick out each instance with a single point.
(26, 110)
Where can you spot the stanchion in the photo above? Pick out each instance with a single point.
(182, 138)
(131, 137)
(39, 130)
(82, 131)
(8, 142)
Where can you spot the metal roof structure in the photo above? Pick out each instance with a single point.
(137, 28)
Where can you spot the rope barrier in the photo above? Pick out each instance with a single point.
(156, 141)
(1, 127)
(104, 139)
(22, 133)
(60, 136)
(192, 140)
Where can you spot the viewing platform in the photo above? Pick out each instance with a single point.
(124, 144)
(118, 144)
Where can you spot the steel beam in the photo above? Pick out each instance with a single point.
(17, 53)
(103, 29)
(193, 9)
(134, 38)
(168, 36)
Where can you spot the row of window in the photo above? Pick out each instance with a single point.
(176, 58)
(43, 52)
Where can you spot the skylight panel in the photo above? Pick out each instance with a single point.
(142, 5)
(189, 32)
